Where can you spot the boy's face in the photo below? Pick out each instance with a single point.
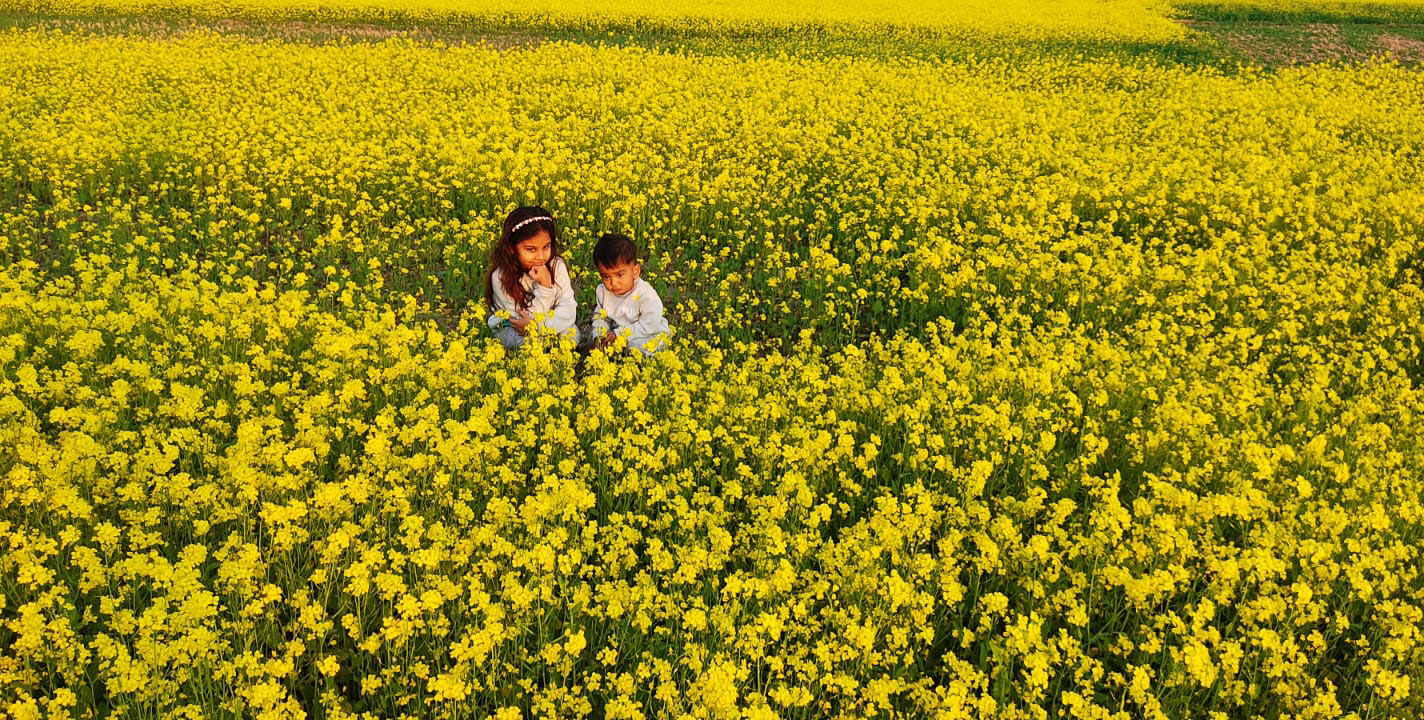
(619, 278)
(534, 250)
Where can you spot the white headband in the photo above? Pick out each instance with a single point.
(526, 221)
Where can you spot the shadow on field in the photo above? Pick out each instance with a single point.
(709, 38)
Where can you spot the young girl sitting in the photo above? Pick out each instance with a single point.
(528, 281)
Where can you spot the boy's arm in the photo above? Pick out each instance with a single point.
(651, 322)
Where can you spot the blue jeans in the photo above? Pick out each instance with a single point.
(512, 340)
(509, 337)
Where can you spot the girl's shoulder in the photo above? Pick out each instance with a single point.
(497, 282)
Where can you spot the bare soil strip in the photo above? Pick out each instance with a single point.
(288, 30)
(1303, 43)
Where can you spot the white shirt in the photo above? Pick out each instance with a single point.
(639, 310)
(554, 304)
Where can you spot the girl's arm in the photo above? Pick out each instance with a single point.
(557, 299)
(502, 301)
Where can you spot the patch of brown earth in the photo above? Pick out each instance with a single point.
(1296, 44)
(1292, 45)
(1401, 48)
(1323, 42)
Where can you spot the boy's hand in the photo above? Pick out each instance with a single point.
(520, 321)
(606, 340)
(540, 274)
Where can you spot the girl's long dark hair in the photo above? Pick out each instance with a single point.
(504, 259)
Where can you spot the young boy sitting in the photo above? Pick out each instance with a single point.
(625, 301)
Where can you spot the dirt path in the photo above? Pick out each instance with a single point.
(1301, 43)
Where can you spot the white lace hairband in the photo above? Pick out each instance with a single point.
(526, 221)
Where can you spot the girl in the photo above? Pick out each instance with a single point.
(528, 280)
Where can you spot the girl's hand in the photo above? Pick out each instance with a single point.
(520, 321)
(606, 340)
(540, 274)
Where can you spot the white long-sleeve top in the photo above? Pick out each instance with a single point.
(640, 310)
(556, 303)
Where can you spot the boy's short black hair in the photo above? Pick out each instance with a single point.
(614, 249)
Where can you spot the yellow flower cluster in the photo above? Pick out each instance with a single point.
(850, 195)
(229, 500)
(1059, 387)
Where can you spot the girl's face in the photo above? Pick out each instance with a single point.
(534, 250)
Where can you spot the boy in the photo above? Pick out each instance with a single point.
(625, 301)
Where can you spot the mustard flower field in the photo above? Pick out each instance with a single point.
(1054, 367)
